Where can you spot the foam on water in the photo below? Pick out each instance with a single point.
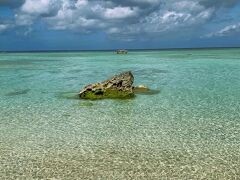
(188, 130)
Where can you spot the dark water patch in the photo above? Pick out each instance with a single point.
(70, 78)
(148, 92)
(29, 68)
(44, 92)
(66, 115)
(22, 62)
(13, 62)
(179, 56)
(54, 71)
(26, 76)
(85, 104)
(18, 92)
(150, 71)
(44, 60)
(67, 95)
(75, 71)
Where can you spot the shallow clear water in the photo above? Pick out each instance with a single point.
(189, 130)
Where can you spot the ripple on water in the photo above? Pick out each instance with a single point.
(75, 71)
(24, 62)
(188, 131)
(150, 71)
(14, 63)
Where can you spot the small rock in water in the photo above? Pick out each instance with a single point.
(141, 89)
(119, 86)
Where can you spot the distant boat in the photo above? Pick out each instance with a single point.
(121, 51)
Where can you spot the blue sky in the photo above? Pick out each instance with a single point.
(113, 24)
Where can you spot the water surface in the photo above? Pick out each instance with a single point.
(189, 130)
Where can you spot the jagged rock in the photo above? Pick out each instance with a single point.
(119, 86)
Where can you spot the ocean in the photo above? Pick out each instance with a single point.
(189, 128)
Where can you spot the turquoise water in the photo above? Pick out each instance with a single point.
(189, 130)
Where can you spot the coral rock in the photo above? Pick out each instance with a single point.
(119, 86)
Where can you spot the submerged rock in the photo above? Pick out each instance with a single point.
(67, 95)
(119, 86)
(18, 92)
(86, 104)
(141, 89)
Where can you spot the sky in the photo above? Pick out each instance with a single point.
(116, 24)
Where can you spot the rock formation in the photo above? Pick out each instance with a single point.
(119, 86)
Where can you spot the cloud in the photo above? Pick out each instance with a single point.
(87, 16)
(11, 3)
(119, 12)
(3, 27)
(32, 10)
(128, 19)
(23, 19)
(143, 4)
(78, 16)
(84, 12)
(170, 18)
(226, 31)
(219, 3)
(37, 7)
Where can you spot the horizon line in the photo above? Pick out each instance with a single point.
(129, 49)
